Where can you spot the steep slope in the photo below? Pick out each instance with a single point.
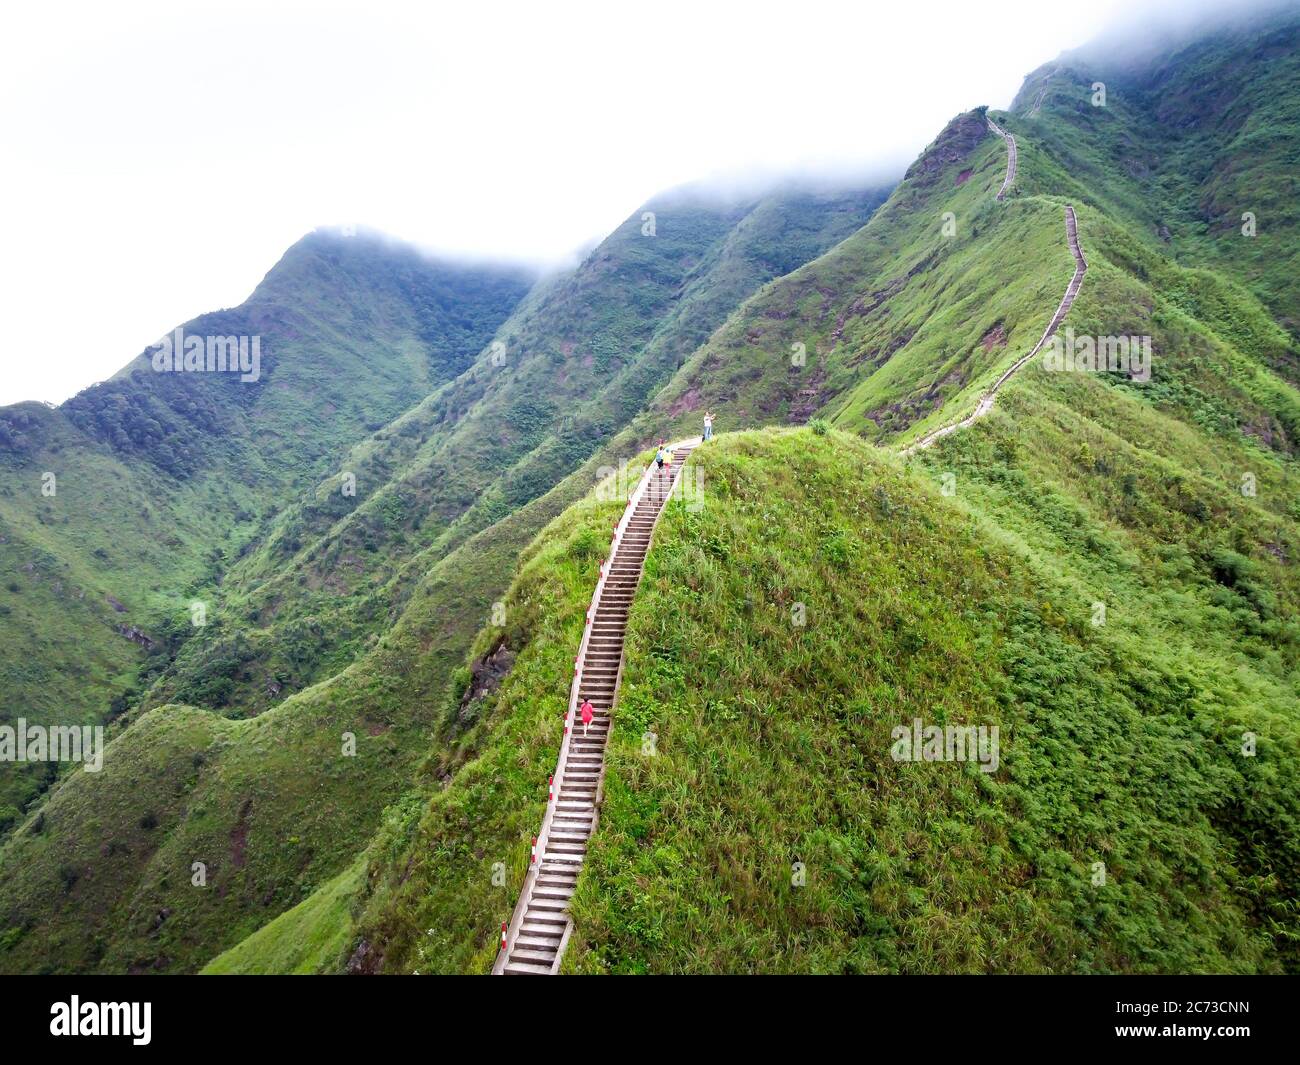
(533, 942)
(1106, 574)
(273, 807)
(448, 864)
(128, 502)
(1127, 543)
(922, 307)
(309, 938)
(946, 287)
(1191, 136)
(352, 615)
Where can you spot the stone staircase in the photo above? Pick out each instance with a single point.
(535, 938)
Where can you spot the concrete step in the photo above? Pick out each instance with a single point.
(519, 969)
(575, 839)
(532, 957)
(553, 924)
(542, 944)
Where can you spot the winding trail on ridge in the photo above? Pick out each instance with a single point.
(533, 942)
(985, 403)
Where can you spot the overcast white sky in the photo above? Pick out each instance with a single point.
(157, 159)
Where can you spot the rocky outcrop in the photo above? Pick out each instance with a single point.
(960, 137)
(486, 675)
(365, 960)
(136, 636)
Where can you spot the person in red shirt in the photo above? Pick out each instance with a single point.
(588, 712)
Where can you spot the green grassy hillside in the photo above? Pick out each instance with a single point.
(1192, 136)
(573, 365)
(898, 319)
(355, 611)
(716, 259)
(276, 789)
(309, 938)
(431, 902)
(1103, 568)
(162, 480)
(1119, 744)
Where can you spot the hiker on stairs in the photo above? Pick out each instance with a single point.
(588, 712)
(708, 425)
(661, 455)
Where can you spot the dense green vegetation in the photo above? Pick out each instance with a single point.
(161, 481)
(1192, 136)
(897, 319)
(432, 904)
(574, 364)
(309, 938)
(1119, 744)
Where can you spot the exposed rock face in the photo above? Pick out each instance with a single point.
(995, 337)
(136, 636)
(960, 137)
(239, 836)
(486, 675)
(364, 961)
(808, 401)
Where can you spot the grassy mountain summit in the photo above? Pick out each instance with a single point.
(1194, 147)
(788, 629)
(566, 372)
(781, 635)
